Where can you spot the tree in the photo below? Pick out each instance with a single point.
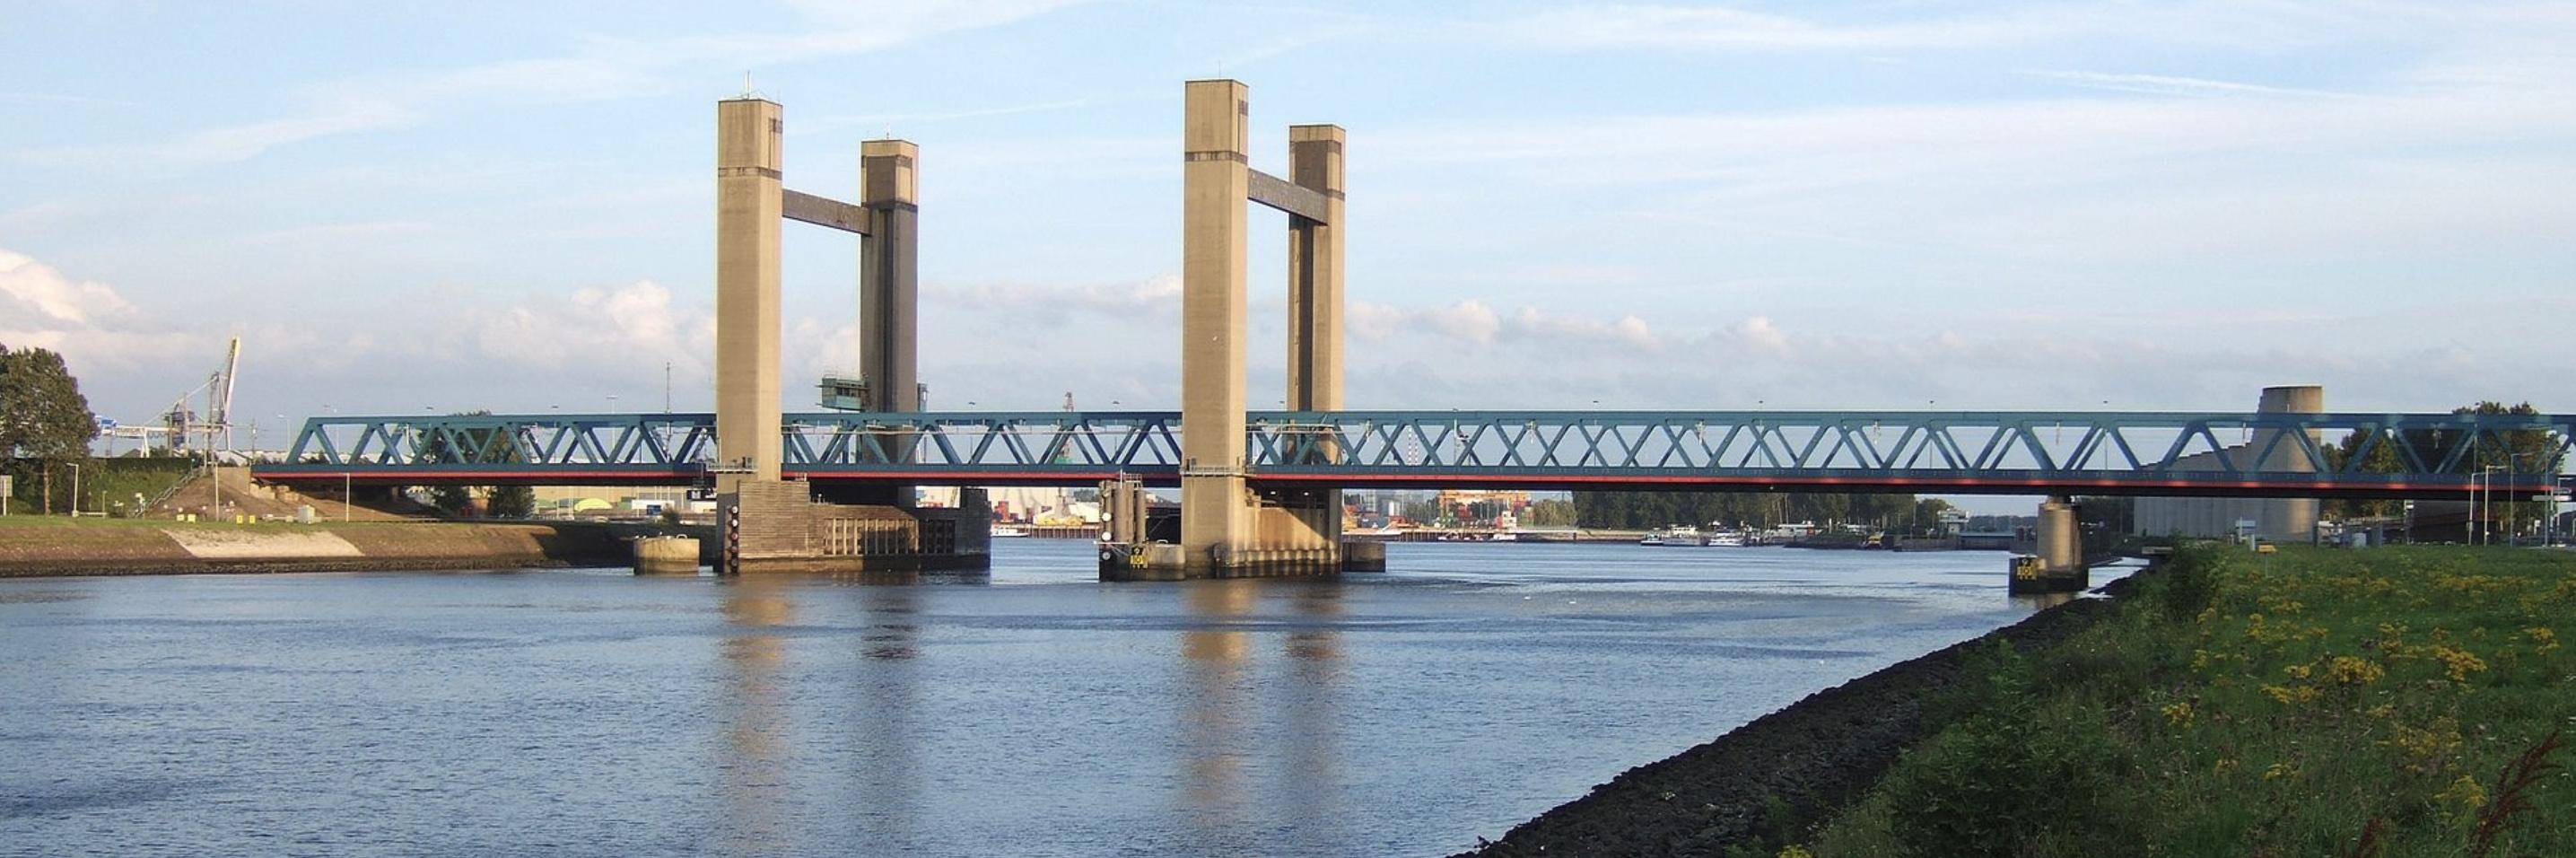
(44, 419)
(42, 412)
(1552, 513)
(512, 502)
(479, 445)
(2514, 451)
(2382, 458)
(1633, 510)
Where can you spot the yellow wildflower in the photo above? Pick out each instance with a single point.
(2459, 662)
(2177, 714)
(2464, 792)
(2292, 695)
(2348, 670)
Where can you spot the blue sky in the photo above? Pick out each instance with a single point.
(447, 206)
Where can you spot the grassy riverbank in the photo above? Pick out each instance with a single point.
(2351, 703)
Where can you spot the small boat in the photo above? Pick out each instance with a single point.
(1726, 539)
(1005, 531)
(1504, 536)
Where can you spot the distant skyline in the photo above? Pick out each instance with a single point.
(454, 206)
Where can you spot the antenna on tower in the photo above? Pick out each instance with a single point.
(746, 83)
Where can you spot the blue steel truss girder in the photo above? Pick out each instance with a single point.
(2009, 452)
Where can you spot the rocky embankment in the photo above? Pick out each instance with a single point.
(127, 547)
(1814, 757)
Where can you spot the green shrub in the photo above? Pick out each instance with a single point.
(2188, 584)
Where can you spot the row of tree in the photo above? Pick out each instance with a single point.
(1901, 513)
(2516, 450)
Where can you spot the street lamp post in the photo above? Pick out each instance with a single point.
(2485, 502)
(75, 466)
(347, 497)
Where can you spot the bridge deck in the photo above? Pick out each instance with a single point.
(2096, 453)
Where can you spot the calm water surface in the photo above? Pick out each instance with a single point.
(1029, 712)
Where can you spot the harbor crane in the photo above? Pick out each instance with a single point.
(211, 432)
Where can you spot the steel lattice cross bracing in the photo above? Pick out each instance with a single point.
(2101, 453)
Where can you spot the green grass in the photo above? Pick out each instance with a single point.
(2294, 704)
(104, 482)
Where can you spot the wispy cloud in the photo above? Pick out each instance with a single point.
(2267, 26)
(890, 121)
(53, 98)
(1601, 27)
(2157, 84)
(600, 68)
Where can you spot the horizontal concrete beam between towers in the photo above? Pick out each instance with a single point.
(1288, 197)
(822, 211)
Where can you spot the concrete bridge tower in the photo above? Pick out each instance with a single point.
(748, 209)
(1227, 528)
(772, 521)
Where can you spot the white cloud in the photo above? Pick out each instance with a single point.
(634, 325)
(1155, 300)
(1757, 335)
(1473, 322)
(42, 296)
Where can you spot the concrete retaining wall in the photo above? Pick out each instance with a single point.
(163, 548)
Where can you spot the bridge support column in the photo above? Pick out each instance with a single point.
(2059, 566)
(1308, 521)
(1227, 529)
(2289, 519)
(748, 208)
(1216, 510)
(889, 339)
(775, 524)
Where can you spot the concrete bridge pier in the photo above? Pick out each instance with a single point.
(2059, 565)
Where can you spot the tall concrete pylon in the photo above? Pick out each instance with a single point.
(748, 208)
(1226, 528)
(889, 275)
(1215, 184)
(1315, 272)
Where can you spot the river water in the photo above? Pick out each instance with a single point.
(1033, 711)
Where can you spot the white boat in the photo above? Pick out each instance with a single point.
(1504, 536)
(1725, 539)
(1005, 531)
(1679, 534)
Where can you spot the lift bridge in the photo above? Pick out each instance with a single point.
(2262, 454)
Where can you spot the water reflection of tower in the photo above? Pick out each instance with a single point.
(1214, 652)
(751, 778)
(1309, 792)
(1221, 717)
(883, 731)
